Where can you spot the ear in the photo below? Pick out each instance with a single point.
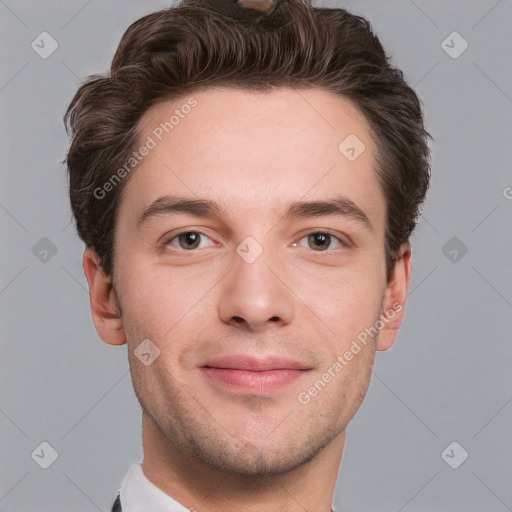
(104, 305)
(394, 301)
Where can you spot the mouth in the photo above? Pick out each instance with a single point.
(261, 375)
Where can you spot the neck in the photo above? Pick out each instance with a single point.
(201, 488)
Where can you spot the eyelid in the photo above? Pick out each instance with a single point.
(344, 240)
(169, 237)
(342, 237)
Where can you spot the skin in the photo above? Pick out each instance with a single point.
(209, 447)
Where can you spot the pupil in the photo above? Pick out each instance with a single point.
(190, 239)
(320, 239)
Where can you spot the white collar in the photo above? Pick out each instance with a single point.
(138, 494)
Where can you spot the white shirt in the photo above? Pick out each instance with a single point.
(138, 494)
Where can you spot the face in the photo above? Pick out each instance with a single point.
(249, 249)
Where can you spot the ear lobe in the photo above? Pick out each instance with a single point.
(103, 299)
(395, 298)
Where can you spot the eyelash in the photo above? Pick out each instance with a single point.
(332, 236)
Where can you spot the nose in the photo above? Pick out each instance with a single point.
(256, 295)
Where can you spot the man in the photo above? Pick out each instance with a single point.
(246, 181)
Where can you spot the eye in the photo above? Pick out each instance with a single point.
(187, 240)
(322, 241)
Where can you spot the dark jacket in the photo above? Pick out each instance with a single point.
(117, 505)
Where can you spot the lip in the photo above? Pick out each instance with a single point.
(255, 363)
(248, 373)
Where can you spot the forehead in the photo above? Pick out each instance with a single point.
(254, 151)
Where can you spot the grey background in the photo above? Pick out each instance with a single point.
(447, 378)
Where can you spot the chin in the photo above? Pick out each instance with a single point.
(259, 459)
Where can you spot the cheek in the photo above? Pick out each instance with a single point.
(151, 306)
(159, 301)
(347, 299)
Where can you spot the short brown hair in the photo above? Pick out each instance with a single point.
(203, 43)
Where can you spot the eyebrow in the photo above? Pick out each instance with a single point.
(339, 206)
